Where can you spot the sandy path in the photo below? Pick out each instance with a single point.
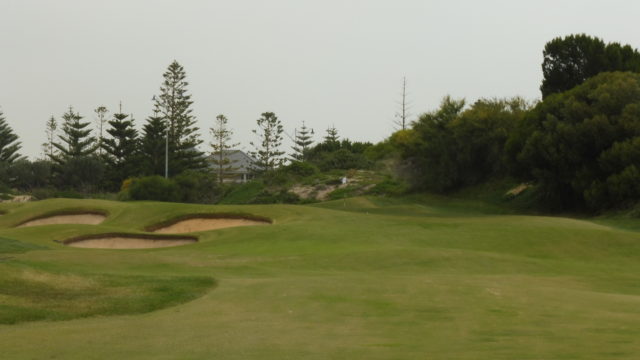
(89, 219)
(115, 242)
(193, 225)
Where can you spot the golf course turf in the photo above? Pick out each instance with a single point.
(361, 278)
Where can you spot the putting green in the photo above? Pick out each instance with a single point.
(361, 278)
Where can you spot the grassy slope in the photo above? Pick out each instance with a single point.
(359, 278)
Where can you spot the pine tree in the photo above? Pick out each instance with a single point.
(75, 139)
(48, 148)
(331, 140)
(267, 153)
(152, 145)
(332, 135)
(221, 146)
(174, 106)
(302, 141)
(120, 149)
(101, 112)
(9, 144)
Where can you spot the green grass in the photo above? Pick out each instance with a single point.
(8, 246)
(422, 277)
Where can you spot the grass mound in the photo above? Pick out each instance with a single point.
(30, 295)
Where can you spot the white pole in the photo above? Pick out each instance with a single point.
(166, 156)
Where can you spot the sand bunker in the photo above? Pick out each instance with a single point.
(126, 242)
(88, 219)
(205, 224)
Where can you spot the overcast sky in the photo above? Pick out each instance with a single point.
(325, 62)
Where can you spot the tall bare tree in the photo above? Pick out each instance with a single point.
(403, 113)
(50, 130)
(101, 113)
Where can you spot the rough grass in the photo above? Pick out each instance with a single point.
(8, 246)
(363, 278)
(30, 295)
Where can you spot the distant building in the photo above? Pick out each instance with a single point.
(240, 164)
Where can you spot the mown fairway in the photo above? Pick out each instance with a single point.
(356, 279)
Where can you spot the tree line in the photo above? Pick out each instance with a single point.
(78, 158)
(579, 147)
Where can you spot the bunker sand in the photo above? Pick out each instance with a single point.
(85, 219)
(204, 224)
(120, 242)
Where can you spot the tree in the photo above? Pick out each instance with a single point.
(174, 106)
(403, 114)
(302, 142)
(331, 140)
(221, 146)
(571, 60)
(50, 130)
(152, 145)
(101, 112)
(75, 140)
(83, 173)
(267, 152)
(431, 154)
(584, 148)
(9, 144)
(120, 150)
(26, 175)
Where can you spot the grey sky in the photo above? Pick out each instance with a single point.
(325, 62)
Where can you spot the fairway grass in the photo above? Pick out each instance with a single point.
(361, 278)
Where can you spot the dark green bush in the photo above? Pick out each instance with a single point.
(243, 193)
(198, 187)
(388, 187)
(83, 174)
(301, 168)
(154, 188)
(280, 197)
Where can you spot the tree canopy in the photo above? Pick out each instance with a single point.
(571, 60)
(584, 147)
(9, 144)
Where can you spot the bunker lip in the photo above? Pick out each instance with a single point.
(98, 216)
(128, 241)
(234, 220)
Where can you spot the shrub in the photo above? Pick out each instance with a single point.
(198, 187)
(388, 187)
(243, 193)
(83, 173)
(154, 188)
(301, 168)
(26, 175)
(281, 197)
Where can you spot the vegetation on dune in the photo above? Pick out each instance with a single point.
(572, 151)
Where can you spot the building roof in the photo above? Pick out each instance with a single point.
(239, 161)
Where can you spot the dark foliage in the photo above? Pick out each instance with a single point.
(571, 60)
